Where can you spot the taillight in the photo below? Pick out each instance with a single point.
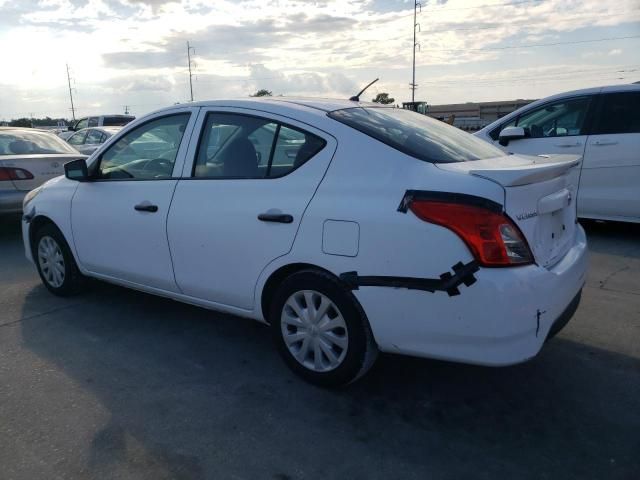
(492, 237)
(10, 173)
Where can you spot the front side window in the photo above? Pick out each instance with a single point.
(619, 113)
(559, 119)
(242, 146)
(77, 138)
(147, 152)
(416, 135)
(82, 123)
(93, 121)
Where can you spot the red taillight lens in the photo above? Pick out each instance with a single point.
(492, 237)
(9, 173)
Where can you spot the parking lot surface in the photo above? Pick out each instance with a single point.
(117, 384)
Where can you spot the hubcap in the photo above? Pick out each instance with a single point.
(51, 261)
(314, 331)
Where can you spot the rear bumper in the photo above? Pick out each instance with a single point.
(502, 319)
(11, 201)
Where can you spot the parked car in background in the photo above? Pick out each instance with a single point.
(28, 158)
(348, 227)
(88, 140)
(600, 124)
(97, 121)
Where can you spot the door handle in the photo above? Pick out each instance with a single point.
(275, 217)
(146, 207)
(604, 143)
(568, 145)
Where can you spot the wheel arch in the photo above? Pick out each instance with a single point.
(37, 223)
(277, 276)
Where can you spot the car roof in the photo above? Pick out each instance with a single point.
(25, 129)
(322, 104)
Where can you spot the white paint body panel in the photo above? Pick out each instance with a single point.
(205, 245)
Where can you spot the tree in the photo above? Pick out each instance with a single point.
(262, 93)
(383, 98)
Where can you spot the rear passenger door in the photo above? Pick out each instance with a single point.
(241, 199)
(610, 182)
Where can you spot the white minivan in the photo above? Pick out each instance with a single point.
(600, 124)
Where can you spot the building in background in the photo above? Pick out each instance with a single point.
(474, 116)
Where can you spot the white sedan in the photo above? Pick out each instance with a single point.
(350, 228)
(88, 140)
(600, 124)
(28, 158)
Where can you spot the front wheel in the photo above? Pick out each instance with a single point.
(320, 329)
(55, 262)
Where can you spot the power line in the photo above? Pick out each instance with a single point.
(520, 24)
(532, 45)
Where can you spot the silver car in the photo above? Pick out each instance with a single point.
(88, 140)
(28, 158)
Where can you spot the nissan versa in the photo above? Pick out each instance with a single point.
(350, 228)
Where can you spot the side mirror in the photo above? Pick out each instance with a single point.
(511, 133)
(77, 170)
(70, 128)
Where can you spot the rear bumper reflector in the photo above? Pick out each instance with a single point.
(448, 282)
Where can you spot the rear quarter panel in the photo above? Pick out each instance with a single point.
(365, 184)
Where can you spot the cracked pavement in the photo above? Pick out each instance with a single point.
(117, 384)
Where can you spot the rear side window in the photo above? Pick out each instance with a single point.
(116, 121)
(243, 146)
(619, 113)
(417, 135)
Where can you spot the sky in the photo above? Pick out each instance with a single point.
(134, 52)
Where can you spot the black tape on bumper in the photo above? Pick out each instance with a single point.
(448, 282)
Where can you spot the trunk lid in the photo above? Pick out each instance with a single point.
(540, 197)
(42, 167)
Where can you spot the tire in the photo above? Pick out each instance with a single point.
(53, 258)
(340, 345)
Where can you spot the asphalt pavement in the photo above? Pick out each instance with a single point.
(117, 384)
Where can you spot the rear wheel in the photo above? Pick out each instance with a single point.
(320, 329)
(56, 265)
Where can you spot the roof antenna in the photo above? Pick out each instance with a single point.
(356, 98)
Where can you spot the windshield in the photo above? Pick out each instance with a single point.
(22, 142)
(417, 135)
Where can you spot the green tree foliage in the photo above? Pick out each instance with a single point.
(383, 98)
(36, 122)
(262, 93)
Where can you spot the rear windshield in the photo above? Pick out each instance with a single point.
(116, 121)
(22, 142)
(417, 135)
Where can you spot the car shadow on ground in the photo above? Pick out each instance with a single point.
(615, 238)
(205, 395)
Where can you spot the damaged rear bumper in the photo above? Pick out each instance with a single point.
(503, 319)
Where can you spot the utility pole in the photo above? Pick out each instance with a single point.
(416, 27)
(189, 50)
(126, 109)
(73, 111)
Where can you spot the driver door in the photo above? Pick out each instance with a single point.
(119, 217)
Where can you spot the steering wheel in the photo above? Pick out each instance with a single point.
(160, 164)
